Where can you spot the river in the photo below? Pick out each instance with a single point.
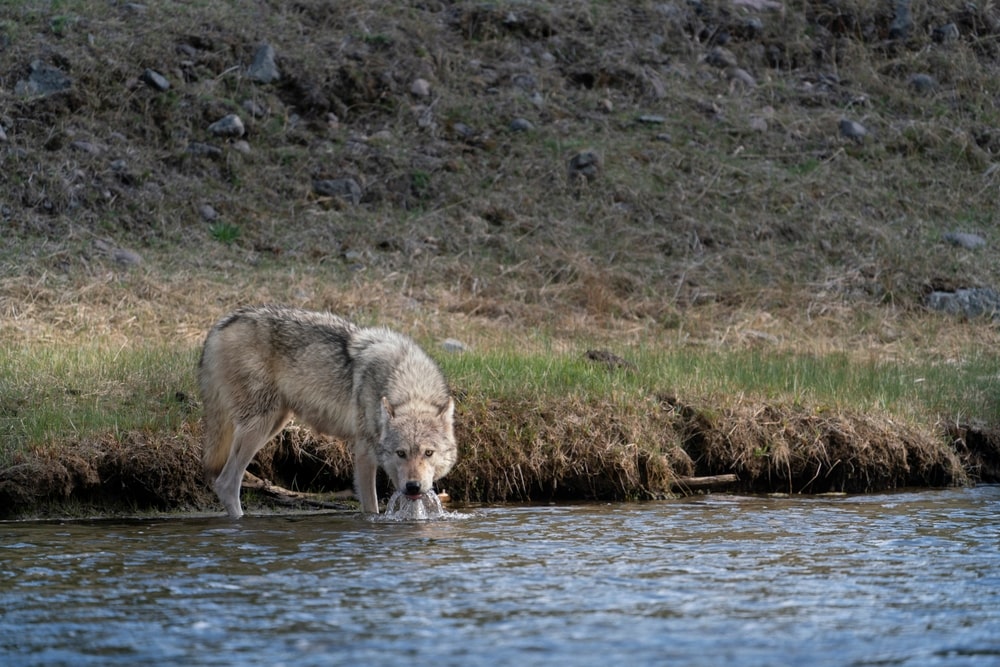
(909, 578)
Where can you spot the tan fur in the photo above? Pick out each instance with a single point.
(260, 366)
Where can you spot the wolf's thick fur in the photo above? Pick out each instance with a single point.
(375, 387)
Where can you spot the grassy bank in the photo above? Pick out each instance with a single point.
(55, 393)
(763, 275)
(534, 423)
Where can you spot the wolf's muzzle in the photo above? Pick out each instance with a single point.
(413, 489)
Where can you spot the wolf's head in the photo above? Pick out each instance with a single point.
(417, 445)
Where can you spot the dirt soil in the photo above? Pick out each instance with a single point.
(754, 173)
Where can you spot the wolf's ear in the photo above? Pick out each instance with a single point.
(448, 411)
(387, 411)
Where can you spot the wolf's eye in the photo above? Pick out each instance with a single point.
(401, 453)
(429, 453)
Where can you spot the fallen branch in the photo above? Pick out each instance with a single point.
(285, 496)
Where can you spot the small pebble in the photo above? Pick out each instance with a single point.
(227, 126)
(521, 125)
(420, 88)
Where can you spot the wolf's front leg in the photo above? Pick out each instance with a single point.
(365, 468)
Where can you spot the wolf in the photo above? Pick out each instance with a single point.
(374, 387)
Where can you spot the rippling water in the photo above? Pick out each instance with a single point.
(901, 579)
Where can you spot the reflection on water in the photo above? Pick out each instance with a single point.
(902, 579)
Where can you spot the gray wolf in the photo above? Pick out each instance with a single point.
(261, 366)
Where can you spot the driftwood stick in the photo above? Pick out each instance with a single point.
(684, 484)
(285, 496)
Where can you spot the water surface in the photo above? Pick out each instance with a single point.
(898, 579)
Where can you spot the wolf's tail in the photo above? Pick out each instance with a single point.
(218, 435)
(217, 443)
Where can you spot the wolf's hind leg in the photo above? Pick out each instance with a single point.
(248, 438)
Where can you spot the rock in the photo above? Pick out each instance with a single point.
(208, 212)
(972, 302)
(263, 68)
(420, 88)
(738, 75)
(585, 165)
(853, 130)
(521, 125)
(452, 345)
(155, 80)
(43, 80)
(227, 126)
(253, 108)
(525, 82)
(902, 23)
(3, 134)
(86, 147)
(342, 188)
(721, 57)
(122, 256)
(945, 33)
(922, 83)
(200, 149)
(126, 257)
(464, 131)
(964, 240)
(652, 119)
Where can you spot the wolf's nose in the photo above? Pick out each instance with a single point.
(413, 488)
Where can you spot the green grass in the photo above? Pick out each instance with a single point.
(50, 393)
(956, 390)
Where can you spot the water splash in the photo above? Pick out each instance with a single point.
(425, 508)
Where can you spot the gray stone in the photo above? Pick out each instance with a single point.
(965, 240)
(584, 166)
(208, 212)
(452, 345)
(521, 125)
(972, 302)
(945, 33)
(721, 57)
(200, 149)
(853, 130)
(923, 83)
(126, 257)
(902, 22)
(253, 108)
(86, 147)
(227, 126)
(652, 119)
(420, 88)
(43, 80)
(155, 80)
(263, 68)
(343, 188)
(738, 75)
